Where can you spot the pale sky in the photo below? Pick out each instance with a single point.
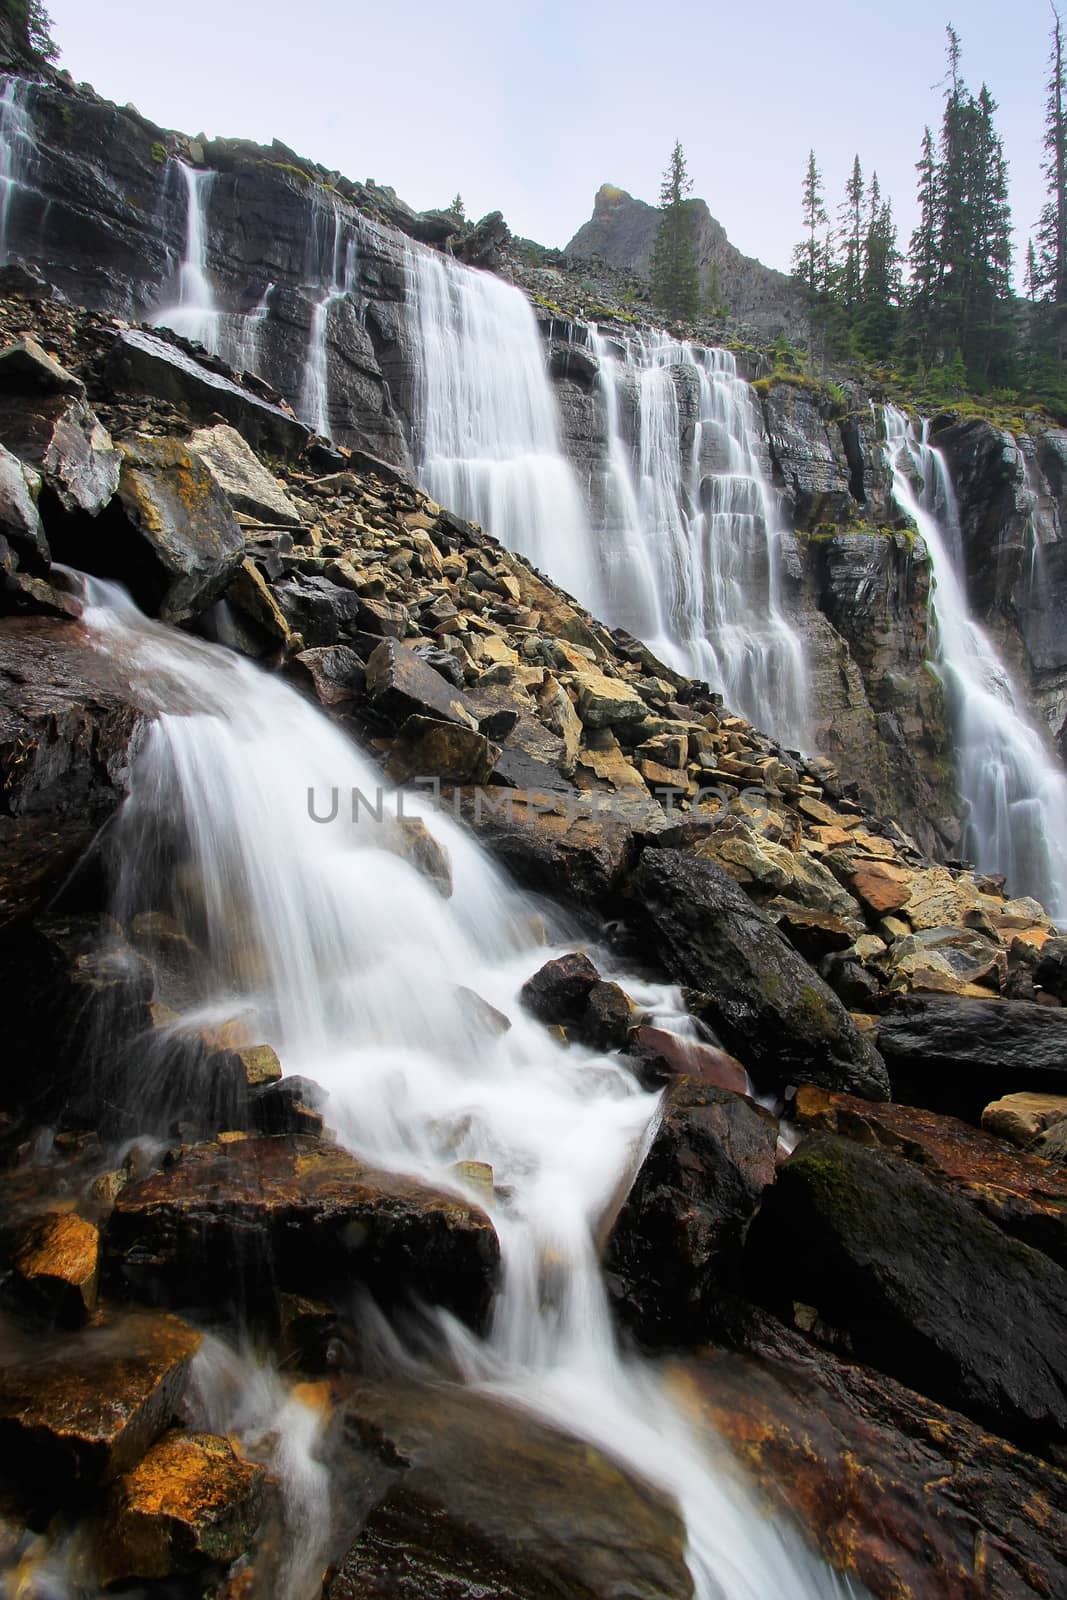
(530, 107)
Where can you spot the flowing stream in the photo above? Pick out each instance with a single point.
(681, 543)
(356, 968)
(1013, 788)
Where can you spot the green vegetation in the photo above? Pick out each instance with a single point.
(954, 332)
(675, 282)
(31, 19)
(159, 153)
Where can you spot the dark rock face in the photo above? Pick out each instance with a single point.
(560, 990)
(923, 1286)
(486, 1500)
(622, 231)
(242, 1219)
(668, 1252)
(916, 1501)
(68, 727)
(957, 1054)
(766, 1004)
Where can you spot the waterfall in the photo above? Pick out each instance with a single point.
(323, 269)
(194, 314)
(17, 144)
(486, 433)
(242, 345)
(691, 537)
(682, 545)
(1014, 790)
(352, 962)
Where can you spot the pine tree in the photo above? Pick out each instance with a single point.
(1033, 282)
(456, 209)
(31, 17)
(878, 311)
(809, 256)
(924, 258)
(1052, 226)
(673, 269)
(851, 216)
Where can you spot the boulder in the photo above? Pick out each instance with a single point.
(252, 599)
(242, 477)
(336, 673)
(957, 1054)
(557, 844)
(605, 702)
(607, 1019)
(191, 1502)
(910, 1500)
(1021, 1117)
(384, 619)
(147, 364)
(768, 1007)
(882, 886)
(490, 1501)
(660, 1055)
(320, 611)
(64, 440)
(68, 727)
(917, 1283)
(20, 520)
(400, 685)
(176, 545)
(1021, 1193)
(559, 991)
(78, 1410)
(56, 1266)
(427, 748)
(679, 1229)
(1050, 970)
(27, 369)
(246, 1218)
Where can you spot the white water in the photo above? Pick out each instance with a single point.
(330, 268)
(194, 314)
(690, 539)
(352, 961)
(686, 553)
(16, 150)
(1014, 790)
(243, 353)
(486, 433)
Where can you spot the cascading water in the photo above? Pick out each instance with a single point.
(353, 963)
(16, 150)
(684, 546)
(194, 314)
(486, 433)
(691, 537)
(331, 265)
(243, 353)
(1014, 790)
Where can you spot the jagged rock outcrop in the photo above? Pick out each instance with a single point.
(622, 231)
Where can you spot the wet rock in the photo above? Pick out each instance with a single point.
(77, 1410)
(678, 1231)
(1022, 1117)
(417, 844)
(56, 1266)
(426, 748)
(191, 1502)
(402, 686)
(1021, 1193)
(290, 1106)
(559, 992)
(558, 844)
(956, 1055)
(27, 369)
(660, 1055)
(146, 364)
(813, 934)
(65, 441)
(336, 673)
(77, 992)
(487, 1500)
(321, 612)
(20, 520)
(607, 1019)
(1050, 970)
(251, 598)
(919, 1285)
(242, 477)
(177, 545)
(760, 998)
(911, 1500)
(244, 1219)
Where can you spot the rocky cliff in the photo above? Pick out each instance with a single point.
(622, 231)
(101, 210)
